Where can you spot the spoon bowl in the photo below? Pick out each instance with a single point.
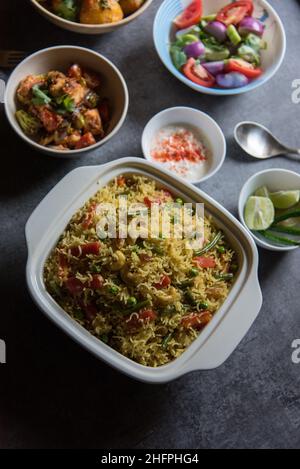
(258, 142)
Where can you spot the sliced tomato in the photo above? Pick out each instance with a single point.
(204, 262)
(164, 282)
(196, 320)
(198, 74)
(241, 66)
(235, 12)
(190, 16)
(85, 249)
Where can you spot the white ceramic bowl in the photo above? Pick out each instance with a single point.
(87, 28)
(59, 58)
(207, 128)
(229, 325)
(272, 57)
(275, 180)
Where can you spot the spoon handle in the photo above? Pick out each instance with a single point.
(293, 151)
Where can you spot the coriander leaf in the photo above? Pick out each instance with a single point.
(179, 58)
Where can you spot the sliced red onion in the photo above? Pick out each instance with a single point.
(195, 49)
(232, 80)
(217, 30)
(214, 67)
(251, 25)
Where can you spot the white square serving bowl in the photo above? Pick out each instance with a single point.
(229, 325)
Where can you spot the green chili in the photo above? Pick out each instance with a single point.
(210, 245)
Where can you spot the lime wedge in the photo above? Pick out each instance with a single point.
(259, 213)
(262, 192)
(285, 199)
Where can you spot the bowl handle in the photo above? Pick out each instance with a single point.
(233, 327)
(61, 195)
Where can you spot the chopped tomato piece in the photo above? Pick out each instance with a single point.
(86, 141)
(241, 66)
(89, 309)
(88, 219)
(198, 74)
(50, 120)
(97, 282)
(74, 285)
(165, 282)
(235, 12)
(196, 320)
(136, 320)
(148, 202)
(85, 249)
(90, 312)
(204, 262)
(121, 181)
(190, 16)
(104, 110)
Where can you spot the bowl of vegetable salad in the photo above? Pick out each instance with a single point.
(66, 100)
(220, 47)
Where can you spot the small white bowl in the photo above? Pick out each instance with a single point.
(275, 180)
(207, 129)
(88, 28)
(60, 58)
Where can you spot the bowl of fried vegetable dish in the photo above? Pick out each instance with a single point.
(66, 100)
(91, 16)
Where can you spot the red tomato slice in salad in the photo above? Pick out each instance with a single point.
(241, 66)
(235, 12)
(190, 16)
(198, 74)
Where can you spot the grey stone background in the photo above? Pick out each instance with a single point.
(53, 394)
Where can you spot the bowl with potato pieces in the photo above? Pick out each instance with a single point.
(91, 16)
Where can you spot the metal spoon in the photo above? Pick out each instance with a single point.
(259, 142)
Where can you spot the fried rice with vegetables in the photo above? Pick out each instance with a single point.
(146, 298)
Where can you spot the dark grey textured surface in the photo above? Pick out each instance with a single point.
(54, 394)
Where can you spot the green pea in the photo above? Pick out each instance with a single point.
(203, 305)
(132, 301)
(114, 289)
(221, 249)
